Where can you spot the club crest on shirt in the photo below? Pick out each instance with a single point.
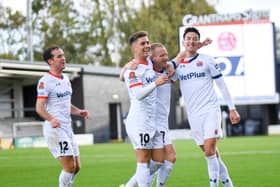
(132, 78)
(132, 75)
(199, 63)
(216, 131)
(41, 85)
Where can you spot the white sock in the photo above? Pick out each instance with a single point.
(154, 167)
(142, 174)
(213, 170)
(224, 175)
(163, 173)
(132, 182)
(64, 178)
(72, 180)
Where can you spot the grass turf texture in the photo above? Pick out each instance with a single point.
(252, 162)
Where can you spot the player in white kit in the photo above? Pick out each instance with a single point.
(158, 59)
(197, 73)
(54, 105)
(141, 119)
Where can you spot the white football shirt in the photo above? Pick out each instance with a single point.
(58, 91)
(196, 77)
(142, 112)
(162, 98)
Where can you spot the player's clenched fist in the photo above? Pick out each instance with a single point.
(161, 80)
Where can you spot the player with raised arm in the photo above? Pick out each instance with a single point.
(159, 60)
(54, 105)
(197, 73)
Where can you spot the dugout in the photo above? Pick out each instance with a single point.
(95, 88)
(18, 82)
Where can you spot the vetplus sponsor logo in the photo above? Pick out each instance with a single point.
(150, 79)
(192, 75)
(63, 94)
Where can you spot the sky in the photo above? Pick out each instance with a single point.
(222, 6)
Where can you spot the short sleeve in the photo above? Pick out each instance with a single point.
(42, 89)
(214, 67)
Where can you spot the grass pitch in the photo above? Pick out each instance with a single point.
(252, 162)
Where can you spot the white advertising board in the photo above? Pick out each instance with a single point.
(246, 55)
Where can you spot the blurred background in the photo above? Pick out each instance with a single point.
(94, 33)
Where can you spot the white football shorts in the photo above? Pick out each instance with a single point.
(60, 141)
(165, 135)
(206, 126)
(144, 139)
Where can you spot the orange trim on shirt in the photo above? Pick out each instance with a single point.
(55, 75)
(135, 84)
(42, 97)
(144, 63)
(184, 62)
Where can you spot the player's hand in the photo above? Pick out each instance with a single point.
(206, 42)
(55, 123)
(180, 57)
(131, 65)
(161, 80)
(234, 116)
(170, 70)
(84, 113)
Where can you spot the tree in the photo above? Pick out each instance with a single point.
(161, 19)
(83, 29)
(55, 23)
(12, 34)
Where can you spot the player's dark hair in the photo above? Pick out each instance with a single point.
(132, 38)
(48, 52)
(191, 29)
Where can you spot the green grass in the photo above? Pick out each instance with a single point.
(252, 162)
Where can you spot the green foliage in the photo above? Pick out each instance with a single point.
(12, 33)
(96, 30)
(84, 30)
(161, 19)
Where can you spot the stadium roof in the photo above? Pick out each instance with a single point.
(25, 69)
(16, 69)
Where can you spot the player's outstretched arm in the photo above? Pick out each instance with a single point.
(79, 112)
(206, 42)
(182, 55)
(233, 114)
(140, 91)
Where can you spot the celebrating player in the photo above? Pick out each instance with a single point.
(196, 73)
(141, 120)
(54, 105)
(159, 59)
